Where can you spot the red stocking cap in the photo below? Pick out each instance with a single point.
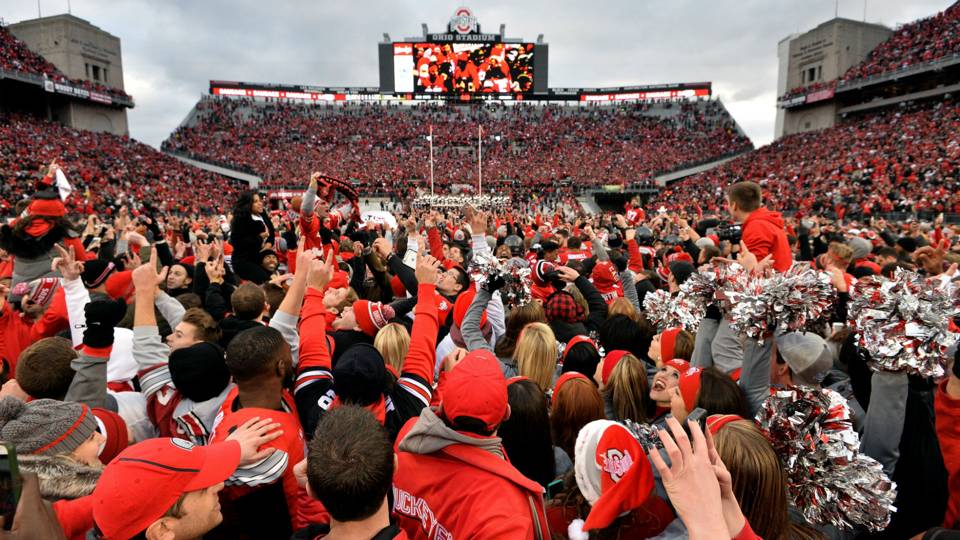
(668, 343)
(576, 340)
(566, 377)
(613, 358)
(616, 467)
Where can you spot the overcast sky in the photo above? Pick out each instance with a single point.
(172, 48)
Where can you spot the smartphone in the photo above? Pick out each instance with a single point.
(698, 415)
(10, 484)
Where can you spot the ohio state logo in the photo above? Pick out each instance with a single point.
(616, 463)
(463, 21)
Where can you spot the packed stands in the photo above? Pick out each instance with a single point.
(915, 43)
(16, 56)
(894, 161)
(378, 146)
(102, 168)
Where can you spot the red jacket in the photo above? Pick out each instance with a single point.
(948, 432)
(763, 233)
(462, 491)
(75, 516)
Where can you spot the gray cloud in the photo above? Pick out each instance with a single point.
(172, 48)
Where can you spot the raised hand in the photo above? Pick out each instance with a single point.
(382, 247)
(253, 434)
(146, 277)
(567, 274)
(428, 270)
(321, 272)
(66, 263)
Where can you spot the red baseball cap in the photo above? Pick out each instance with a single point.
(476, 388)
(141, 484)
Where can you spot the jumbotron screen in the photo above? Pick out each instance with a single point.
(463, 68)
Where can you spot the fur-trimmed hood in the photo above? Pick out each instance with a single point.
(60, 477)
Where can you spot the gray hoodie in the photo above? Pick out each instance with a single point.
(429, 434)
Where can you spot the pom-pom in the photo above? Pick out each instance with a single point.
(829, 480)
(904, 322)
(780, 301)
(669, 311)
(448, 202)
(515, 273)
(575, 530)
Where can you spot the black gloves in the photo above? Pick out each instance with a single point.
(494, 283)
(102, 316)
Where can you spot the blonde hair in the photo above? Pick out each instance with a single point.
(579, 299)
(623, 306)
(759, 481)
(627, 389)
(393, 342)
(536, 354)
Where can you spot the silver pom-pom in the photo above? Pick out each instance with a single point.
(448, 202)
(904, 322)
(672, 310)
(516, 275)
(781, 301)
(829, 480)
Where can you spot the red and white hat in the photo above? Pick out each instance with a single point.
(612, 472)
(372, 316)
(606, 281)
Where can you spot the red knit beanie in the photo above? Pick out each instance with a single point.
(690, 386)
(372, 316)
(609, 362)
(668, 343)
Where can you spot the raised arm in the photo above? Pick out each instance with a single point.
(313, 390)
(417, 372)
(470, 329)
(287, 315)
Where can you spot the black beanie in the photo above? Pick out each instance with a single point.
(96, 272)
(360, 376)
(199, 371)
(907, 243)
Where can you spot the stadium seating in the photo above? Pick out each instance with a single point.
(921, 41)
(16, 56)
(894, 161)
(103, 169)
(384, 148)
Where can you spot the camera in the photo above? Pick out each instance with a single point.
(730, 232)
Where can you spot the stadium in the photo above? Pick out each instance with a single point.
(462, 301)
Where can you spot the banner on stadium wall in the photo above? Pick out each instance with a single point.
(820, 95)
(640, 96)
(324, 94)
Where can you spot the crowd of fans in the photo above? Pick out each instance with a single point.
(899, 160)
(912, 44)
(303, 374)
(105, 170)
(16, 56)
(385, 148)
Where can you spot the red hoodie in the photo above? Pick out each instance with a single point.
(763, 233)
(463, 491)
(948, 432)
